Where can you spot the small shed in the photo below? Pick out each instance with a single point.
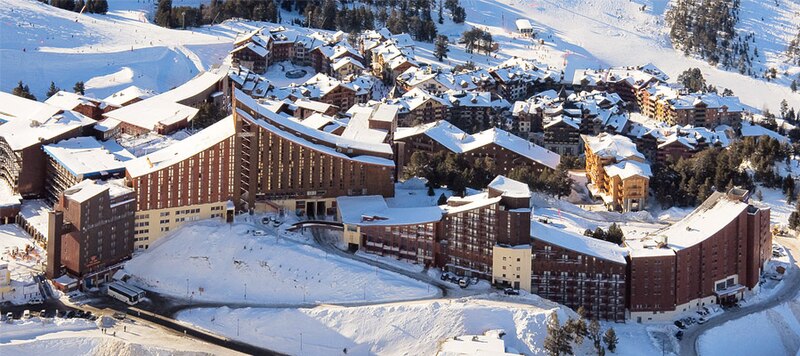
(524, 27)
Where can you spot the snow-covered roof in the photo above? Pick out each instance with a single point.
(183, 149)
(372, 210)
(314, 105)
(195, 86)
(294, 125)
(258, 50)
(69, 101)
(358, 127)
(523, 24)
(585, 245)
(612, 146)
(124, 96)
(88, 189)
(627, 169)
(83, 156)
(756, 130)
(709, 218)
(23, 133)
(341, 62)
(149, 114)
(459, 141)
(510, 188)
(14, 108)
(374, 160)
(457, 205)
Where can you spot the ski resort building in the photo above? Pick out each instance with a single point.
(678, 107)
(173, 110)
(190, 180)
(283, 164)
(577, 270)
(713, 256)
(74, 160)
(28, 125)
(90, 231)
(617, 172)
(507, 151)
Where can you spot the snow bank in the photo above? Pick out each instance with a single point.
(31, 328)
(415, 328)
(212, 261)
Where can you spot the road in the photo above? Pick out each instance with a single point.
(791, 287)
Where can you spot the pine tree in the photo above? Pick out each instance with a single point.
(794, 217)
(98, 6)
(552, 340)
(23, 91)
(581, 330)
(441, 17)
(164, 13)
(615, 234)
(52, 90)
(79, 88)
(793, 86)
(593, 333)
(441, 47)
(611, 340)
(442, 200)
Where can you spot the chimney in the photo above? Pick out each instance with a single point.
(55, 223)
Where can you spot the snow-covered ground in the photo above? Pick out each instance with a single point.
(213, 261)
(410, 328)
(81, 337)
(772, 332)
(41, 43)
(21, 263)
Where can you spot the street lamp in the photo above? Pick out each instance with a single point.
(245, 291)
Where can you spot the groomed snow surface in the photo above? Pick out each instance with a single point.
(414, 328)
(213, 261)
(774, 332)
(82, 337)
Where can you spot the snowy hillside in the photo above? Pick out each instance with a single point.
(393, 329)
(211, 261)
(41, 43)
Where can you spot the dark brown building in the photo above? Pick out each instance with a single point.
(281, 162)
(91, 231)
(714, 255)
(576, 271)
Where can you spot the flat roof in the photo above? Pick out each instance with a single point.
(13, 108)
(84, 156)
(576, 242)
(371, 210)
(23, 133)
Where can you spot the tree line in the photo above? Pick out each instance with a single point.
(91, 6)
(414, 17)
(688, 182)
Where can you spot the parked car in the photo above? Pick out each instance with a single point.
(679, 335)
(61, 313)
(36, 300)
(463, 282)
(776, 277)
(43, 313)
(276, 223)
(702, 320)
(70, 314)
(9, 317)
(259, 233)
(26, 314)
(119, 315)
(680, 324)
(510, 291)
(266, 220)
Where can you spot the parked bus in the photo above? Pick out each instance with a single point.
(125, 292)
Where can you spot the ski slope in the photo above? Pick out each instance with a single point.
(41, 43)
